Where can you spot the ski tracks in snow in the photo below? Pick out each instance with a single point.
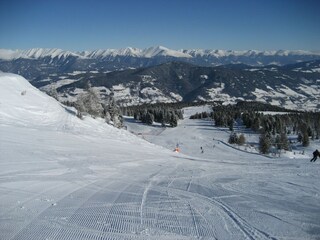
(218, 213)
(164, 205)
(208, 217)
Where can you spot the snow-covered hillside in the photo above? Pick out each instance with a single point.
(66, 178)
(23, 104)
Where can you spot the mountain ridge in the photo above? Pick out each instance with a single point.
(292, 86)
(36, 53)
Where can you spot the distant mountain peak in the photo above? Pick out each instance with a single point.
(163, 51)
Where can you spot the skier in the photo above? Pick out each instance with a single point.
(316, 154)
(201, 149)
(177, 149)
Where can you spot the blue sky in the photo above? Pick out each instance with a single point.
(189, 24)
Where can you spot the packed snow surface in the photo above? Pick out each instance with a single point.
(66, 178)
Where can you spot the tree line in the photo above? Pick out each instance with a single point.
(164, 113)
(273, 128)
(90, 103)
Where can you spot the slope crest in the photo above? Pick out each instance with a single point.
(23, 104)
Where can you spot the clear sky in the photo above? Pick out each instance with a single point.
(209, 24)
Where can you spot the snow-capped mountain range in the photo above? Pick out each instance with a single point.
(37, 53)
(135, 52)
(151, 52)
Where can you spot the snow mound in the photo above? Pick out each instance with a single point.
(23, 104)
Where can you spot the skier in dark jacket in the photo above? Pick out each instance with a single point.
(316, 154)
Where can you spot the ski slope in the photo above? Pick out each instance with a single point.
(66, 178)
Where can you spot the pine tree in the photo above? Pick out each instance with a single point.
(230, 123)
(149, 118)
(304, 135)
(173, 120)
(256, 124)
(284, 141)
(305, 139)
(233, 138)
(264, 143)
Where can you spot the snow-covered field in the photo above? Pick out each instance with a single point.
(66, 178)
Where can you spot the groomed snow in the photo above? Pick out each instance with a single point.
(66, 178)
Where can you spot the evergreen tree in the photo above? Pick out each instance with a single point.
(299, 139)
(256, 124)
(304, 135)
(284, 141)
(305, 139)
(230, 123)
(264, 143)
(233, 138)
(173, 120)
(149, 118)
